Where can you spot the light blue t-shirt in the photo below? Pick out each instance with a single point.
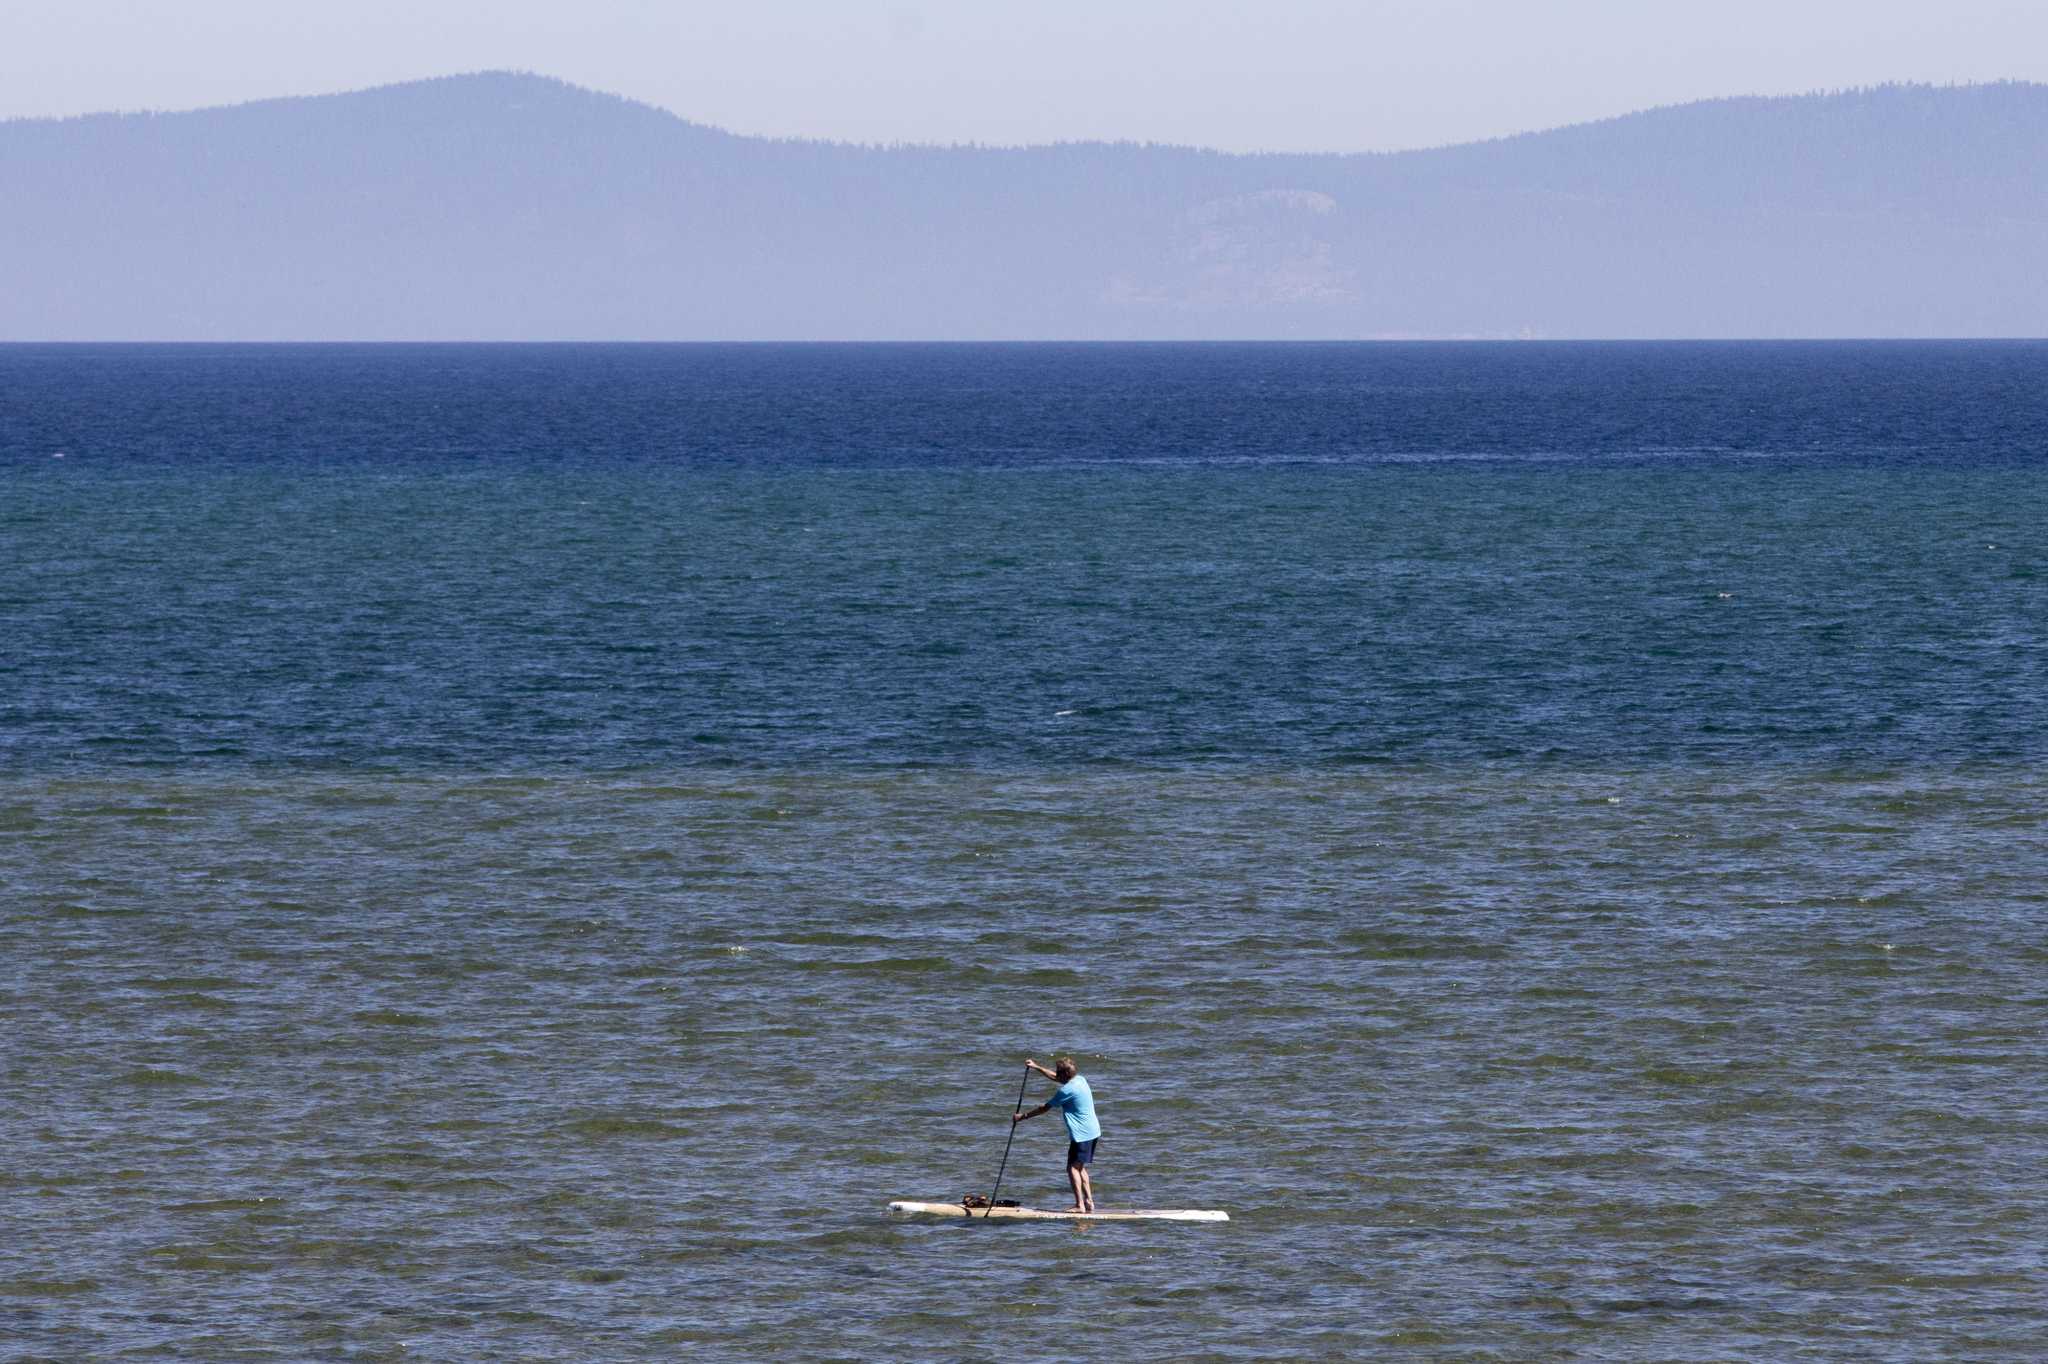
(1076, 1103)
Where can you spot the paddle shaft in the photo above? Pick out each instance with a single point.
(1015, 1109)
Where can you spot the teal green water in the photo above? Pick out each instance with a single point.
(534, 882)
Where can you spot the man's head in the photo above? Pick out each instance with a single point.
(1063, 1069)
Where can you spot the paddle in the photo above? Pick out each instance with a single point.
(1018, 1107)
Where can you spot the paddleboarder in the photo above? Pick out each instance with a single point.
(1076, 1103)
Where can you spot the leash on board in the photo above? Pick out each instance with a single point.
(1018, 1107)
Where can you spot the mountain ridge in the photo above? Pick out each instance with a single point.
(506, 205)
(538, 82)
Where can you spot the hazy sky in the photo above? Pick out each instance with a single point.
(1278, 74)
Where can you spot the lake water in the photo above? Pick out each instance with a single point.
(523, 852)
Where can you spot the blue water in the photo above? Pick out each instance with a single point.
(619, 557)
(524, 851)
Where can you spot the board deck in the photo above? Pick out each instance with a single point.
(1054, 1215)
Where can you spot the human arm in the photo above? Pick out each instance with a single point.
(1016, 1118)
(1030, 1064)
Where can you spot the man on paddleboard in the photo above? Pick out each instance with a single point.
(1076, 1103)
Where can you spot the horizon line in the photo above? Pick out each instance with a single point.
(1819, 93)
(1442, 340)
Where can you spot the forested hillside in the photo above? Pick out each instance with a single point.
(510, 206)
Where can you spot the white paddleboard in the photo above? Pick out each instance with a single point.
(1053, 1215)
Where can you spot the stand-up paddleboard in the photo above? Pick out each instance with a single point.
(1053, 1215)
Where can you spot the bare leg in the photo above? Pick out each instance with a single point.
(1078, 1178)
(1086, 1189)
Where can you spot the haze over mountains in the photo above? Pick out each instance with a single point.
(501, 206)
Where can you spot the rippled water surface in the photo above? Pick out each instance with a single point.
(522, 853)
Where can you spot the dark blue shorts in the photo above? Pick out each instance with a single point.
(1081, 1152)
